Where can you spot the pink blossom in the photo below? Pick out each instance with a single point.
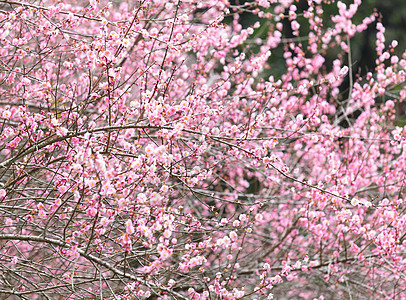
(295, 25)
(129, 227)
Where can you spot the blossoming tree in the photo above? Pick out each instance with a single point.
(151, 150)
